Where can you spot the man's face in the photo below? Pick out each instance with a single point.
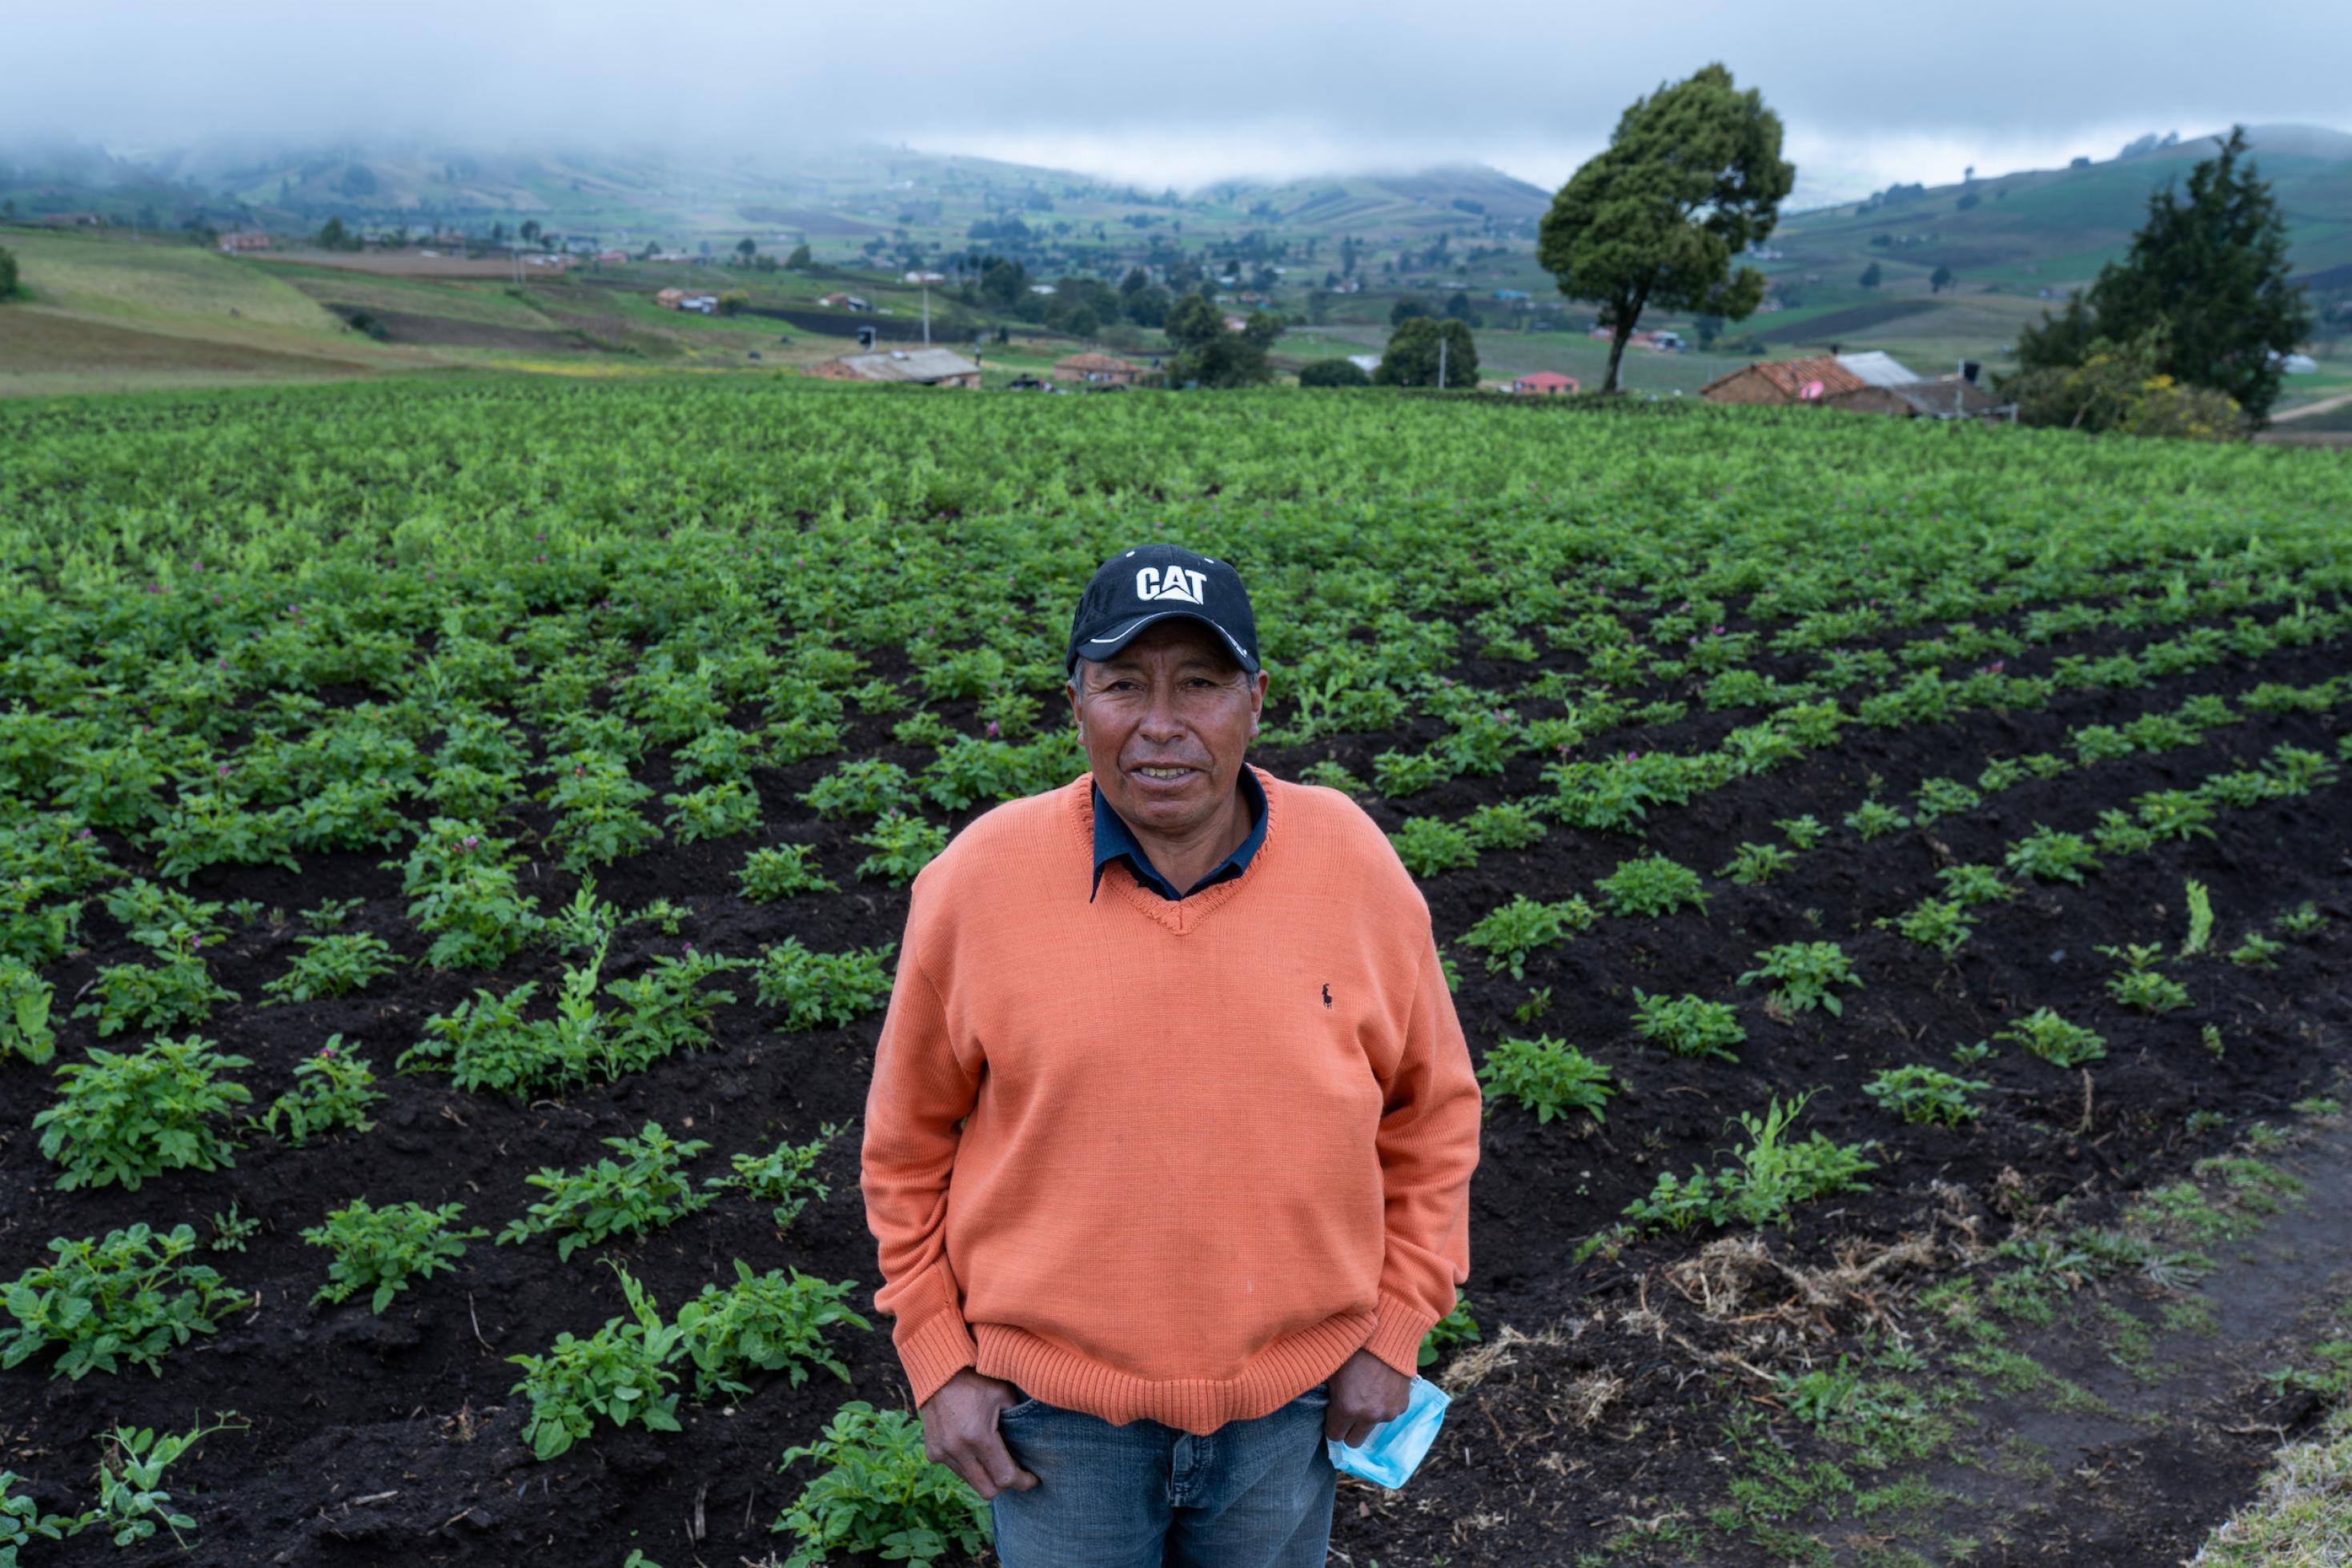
(1165, 722)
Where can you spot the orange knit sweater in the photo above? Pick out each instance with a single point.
(1214, 1147)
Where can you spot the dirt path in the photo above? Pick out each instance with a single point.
(2153, 1402)
(2096, 1392)
(2309, 408)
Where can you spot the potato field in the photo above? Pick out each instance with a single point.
(454, 839)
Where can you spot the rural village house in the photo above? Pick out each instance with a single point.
(1549, 383)
(1658, 341)
(919, 366)
(232, 243)
(841, 301)
(1880, 369)
(1867, 383)
(1102, 370)
(1783, 382)
(1951, 398)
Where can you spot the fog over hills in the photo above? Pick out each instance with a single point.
(840, 188)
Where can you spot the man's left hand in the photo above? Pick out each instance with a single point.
(1365, 1391)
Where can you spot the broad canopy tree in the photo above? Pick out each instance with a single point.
(1691, 176)
(1212, 354)
(1334, 373)
(1412, 358)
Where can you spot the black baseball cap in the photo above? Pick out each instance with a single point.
(1149, 583)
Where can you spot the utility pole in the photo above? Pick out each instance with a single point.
(1441, 360)
(927, 313)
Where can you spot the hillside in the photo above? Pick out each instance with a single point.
(107, 313)
(2014, 242)
(2057, 226)
(2013, 245)
(834, 198)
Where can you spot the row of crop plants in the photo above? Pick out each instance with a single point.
(410, 698)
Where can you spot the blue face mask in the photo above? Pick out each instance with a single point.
(1395, 1449)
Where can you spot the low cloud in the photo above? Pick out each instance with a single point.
(1869, 96)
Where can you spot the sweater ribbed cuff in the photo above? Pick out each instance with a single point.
(934, 1351)
(1397, 1334)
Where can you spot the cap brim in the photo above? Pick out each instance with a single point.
(1119, 636)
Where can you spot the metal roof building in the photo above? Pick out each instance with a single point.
(1878, 369)
(921, 367)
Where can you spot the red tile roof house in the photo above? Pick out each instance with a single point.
(1550, 382)
(1106, 369)
(1783, 382)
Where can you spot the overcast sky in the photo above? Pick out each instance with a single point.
(1870, 92)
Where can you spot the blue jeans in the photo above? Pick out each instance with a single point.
(1251, 1494)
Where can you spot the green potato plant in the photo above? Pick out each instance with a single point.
(1807, 973)
(877, 1492)
(331, 1090)
(1688, 1025)
(126, 1118)
(1547, 1077)
(1511, 932)
(642, 1190)
(383, 1249)
(127, 1298)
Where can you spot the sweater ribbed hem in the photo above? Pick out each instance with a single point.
(1396, 1338)
(1275, 1377)
(934, 1351)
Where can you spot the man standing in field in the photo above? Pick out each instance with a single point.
(1168, 1145)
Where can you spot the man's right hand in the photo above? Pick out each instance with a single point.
(959, 1432)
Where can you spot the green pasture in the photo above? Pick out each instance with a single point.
(163, 281)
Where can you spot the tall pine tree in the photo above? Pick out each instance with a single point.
(2210, 267)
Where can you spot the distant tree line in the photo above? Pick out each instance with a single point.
(1211, 354)
(1082, 306)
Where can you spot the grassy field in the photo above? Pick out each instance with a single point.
(122, 279)
(52, 352)
(107, 313)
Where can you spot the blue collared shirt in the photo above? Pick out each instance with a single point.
(1115, 841)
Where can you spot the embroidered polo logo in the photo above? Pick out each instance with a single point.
(1175, 583)
(1326, 994)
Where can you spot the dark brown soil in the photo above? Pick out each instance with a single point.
(395, 1440)
(444, 331)
(1857, 318)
